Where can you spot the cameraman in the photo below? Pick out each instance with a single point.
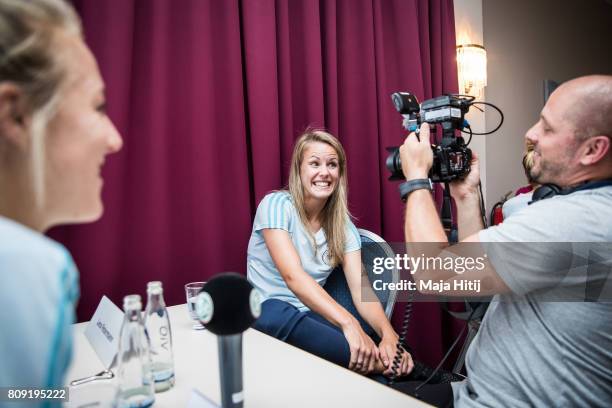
(530, 352)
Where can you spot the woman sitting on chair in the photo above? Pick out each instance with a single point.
(299, 236)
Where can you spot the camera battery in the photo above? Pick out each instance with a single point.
(441, 115)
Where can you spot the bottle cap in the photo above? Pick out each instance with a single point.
(131, 302)
(154, 287)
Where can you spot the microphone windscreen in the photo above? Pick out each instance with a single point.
(228, 304)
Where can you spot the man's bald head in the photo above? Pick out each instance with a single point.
(572, 140)
(590, 107)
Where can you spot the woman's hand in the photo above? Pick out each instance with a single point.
(364, 353)
(388, 347)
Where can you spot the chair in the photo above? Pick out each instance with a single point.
(373, 246)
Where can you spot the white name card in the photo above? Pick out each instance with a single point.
(199, 400)
(103, 330)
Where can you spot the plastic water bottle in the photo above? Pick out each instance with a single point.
(135, 382)
(157, 327)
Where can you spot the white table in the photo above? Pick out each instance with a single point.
(275, 373)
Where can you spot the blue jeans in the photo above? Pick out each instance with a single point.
(306, 330)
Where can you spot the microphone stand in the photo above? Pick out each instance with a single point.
(230, 369)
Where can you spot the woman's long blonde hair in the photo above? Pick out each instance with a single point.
(29, 59)
(335, 213)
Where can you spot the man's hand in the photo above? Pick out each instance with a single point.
(468, 187)
(416, 156)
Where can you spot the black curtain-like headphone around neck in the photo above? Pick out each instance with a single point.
(550, 190)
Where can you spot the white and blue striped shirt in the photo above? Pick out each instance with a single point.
(276, 211)
(38, 291)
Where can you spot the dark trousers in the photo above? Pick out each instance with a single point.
(438, 395)
(314, 334)
(306, 330)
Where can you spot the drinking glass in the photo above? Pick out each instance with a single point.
(191, 291)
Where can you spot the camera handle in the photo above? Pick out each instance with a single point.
(446, 215)
(446, 212)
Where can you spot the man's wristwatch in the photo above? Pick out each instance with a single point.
(412, 185)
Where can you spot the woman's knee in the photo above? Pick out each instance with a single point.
(277, 318)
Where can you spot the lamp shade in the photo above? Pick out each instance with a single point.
(472, 68)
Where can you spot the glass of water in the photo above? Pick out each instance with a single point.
(191, 291)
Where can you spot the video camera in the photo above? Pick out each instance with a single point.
(452, 157)
(451, 160)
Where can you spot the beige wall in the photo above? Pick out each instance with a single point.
(528, 41)
(468, 30)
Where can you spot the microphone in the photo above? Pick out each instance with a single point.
(227, 306)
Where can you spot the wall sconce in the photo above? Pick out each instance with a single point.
(472, 69)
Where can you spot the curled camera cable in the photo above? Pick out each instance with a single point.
(401, 342)
(501, 118)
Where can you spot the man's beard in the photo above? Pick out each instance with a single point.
(550, 172)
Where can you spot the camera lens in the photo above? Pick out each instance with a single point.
(394, 164)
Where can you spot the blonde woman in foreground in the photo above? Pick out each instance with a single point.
(54, 136)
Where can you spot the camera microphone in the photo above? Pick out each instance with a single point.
(405, 103)
(227, 306)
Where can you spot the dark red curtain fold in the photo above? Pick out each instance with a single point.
(210, 96)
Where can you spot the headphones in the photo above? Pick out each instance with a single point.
(550, 190)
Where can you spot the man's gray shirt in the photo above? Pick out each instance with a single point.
(531, 351)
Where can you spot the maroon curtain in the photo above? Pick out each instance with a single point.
(209, 97)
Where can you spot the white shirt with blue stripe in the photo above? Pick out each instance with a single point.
(276, 211)
(38, 291)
